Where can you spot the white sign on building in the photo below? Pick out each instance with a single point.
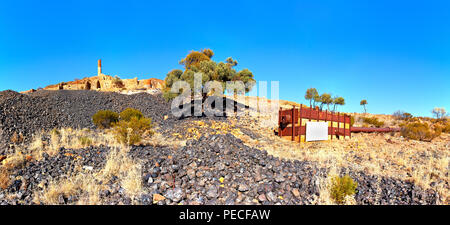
(316, 131)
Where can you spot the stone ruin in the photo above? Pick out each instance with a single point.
(103, 82)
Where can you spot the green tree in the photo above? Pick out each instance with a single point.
(364, 103)
(231, 62)
(195, 57)
(338, 101)
(311, 95)
(200, 62)
(325, 99)
(172, 77)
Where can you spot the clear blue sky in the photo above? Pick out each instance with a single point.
(395, 54)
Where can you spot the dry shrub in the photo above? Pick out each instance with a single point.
(117, 163)
(67, 138)
(118, 82)
(120, 165)
(420, 131)
(84, 186)
(401, 115)
(352, 121)
(104, 119)
(4, 178)
(129, 113)
(14, 161)
(445, 126)
(131, 132)
(373, 121)
(132, 181)
(342, 187)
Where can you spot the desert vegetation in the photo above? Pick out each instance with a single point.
(342, 187)
(201, 62)
(312, 95)
(372, 121)
(128, 127)
(104, 119)
(364, 103)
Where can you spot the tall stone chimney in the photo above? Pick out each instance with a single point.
(99, 67)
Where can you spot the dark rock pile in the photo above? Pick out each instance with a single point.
(193, 175)
(44, 110)
(218, 169)
(25, 180)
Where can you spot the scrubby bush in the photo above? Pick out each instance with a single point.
(168, 95)
(446, 127)
(352, 121)
(117, 82)
(129, 113)
(373, 121)
(401, 115)
(128, 127)
(420, 131)
(342, 187)
(131, 132)
(105, 118)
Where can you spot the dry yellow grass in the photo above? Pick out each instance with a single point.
(157, 139)
(4, 178)
(69, 138)
(132, 180)
(83, 184)
(15, 160)
(86, 186)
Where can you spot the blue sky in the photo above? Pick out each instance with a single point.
(395, 54)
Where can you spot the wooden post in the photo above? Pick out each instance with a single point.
(350, 127)
(293, 123)
(332, 121)
(326, 119)
(300, 125)
(318, 115)
(279, 122)
(310, 113)
(339, 124)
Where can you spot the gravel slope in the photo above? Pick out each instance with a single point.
(29, 113)
(192, 175)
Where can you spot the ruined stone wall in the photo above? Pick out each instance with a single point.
(105, 82)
